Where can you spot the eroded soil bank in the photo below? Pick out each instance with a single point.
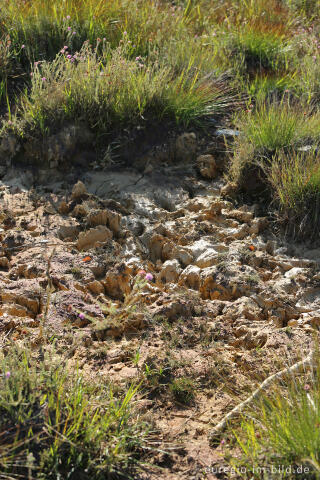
(229, 302)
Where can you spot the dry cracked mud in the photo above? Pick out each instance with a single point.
(229, 302)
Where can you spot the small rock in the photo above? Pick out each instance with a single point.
(95, 287)
(191, 277)
(4, 262)
(63, 208)
(229, 190)
(241, 215)
(97, 217)
(184, 257)
(78, 191)
(227, 132)
(68, 231)
(170, 272)
(207, 166)
(295, 272)
(186, 147)
(93, 236)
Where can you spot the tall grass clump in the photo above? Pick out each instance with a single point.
(306, 8)
(110, 91)
(268, 128)
(55, 425)
(258, 50)
(295, 179)
(280, 436)
(305, 64)
(44, 27)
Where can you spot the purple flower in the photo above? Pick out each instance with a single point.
(22, 46)
(66, 47)
(68, 17)
(74, 33)
(44, 79)
(307, 387)
(82, 316)
(7, 374)
(69, 28)
(149, 277)
(124, 33)
(69, 56)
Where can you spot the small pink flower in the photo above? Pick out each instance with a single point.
(307, 387)
(142, 273)
(9, 122)
(69, 28)
(65, 47)
(69, 56)
(68, 17)
(74, 33)
(44, 79)
(8, 374)
(125, 33)
(22, 46)
(82, 316)
(222, 442)
(149, 277)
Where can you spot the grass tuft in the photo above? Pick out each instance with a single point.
(280, 438)
(55, 425)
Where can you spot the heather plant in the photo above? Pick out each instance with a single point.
(111, 90)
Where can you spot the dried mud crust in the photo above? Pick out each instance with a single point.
(228, 304)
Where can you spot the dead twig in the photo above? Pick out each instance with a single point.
(308, 360)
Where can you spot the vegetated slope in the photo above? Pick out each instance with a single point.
(153, 155)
